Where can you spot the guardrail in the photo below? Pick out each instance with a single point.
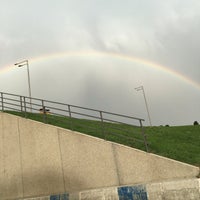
(107, 125)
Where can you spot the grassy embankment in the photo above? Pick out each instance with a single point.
(181, 143)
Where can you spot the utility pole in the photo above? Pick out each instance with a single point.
(142, 88)
(20, 64)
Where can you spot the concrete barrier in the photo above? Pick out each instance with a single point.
(39, 159)
(171, 190)
(174, 190)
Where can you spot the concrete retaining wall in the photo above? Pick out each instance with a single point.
(173, 190)
(39, 159)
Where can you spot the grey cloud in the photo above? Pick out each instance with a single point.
(166, 32)
(180, 46)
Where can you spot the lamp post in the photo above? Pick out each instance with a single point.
(142, 88)
(21, 64)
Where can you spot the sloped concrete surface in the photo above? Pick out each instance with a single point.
(38, 160)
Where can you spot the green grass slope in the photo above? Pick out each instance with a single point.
(181, 143)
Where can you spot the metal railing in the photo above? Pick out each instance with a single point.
(107, 125)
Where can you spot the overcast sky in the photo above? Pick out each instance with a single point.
(88, 52)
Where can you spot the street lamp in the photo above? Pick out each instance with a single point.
(142, 88)
(21, 64)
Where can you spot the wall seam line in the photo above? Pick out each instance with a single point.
(61, 158)
(116, 164)
(21, 163)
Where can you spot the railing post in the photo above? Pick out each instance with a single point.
(2, 101)
(70, 117)
(21, 106)
(25, 107)
(144, 136)
(102, 125)
(44, 112)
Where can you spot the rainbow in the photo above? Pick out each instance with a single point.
(122, 57)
